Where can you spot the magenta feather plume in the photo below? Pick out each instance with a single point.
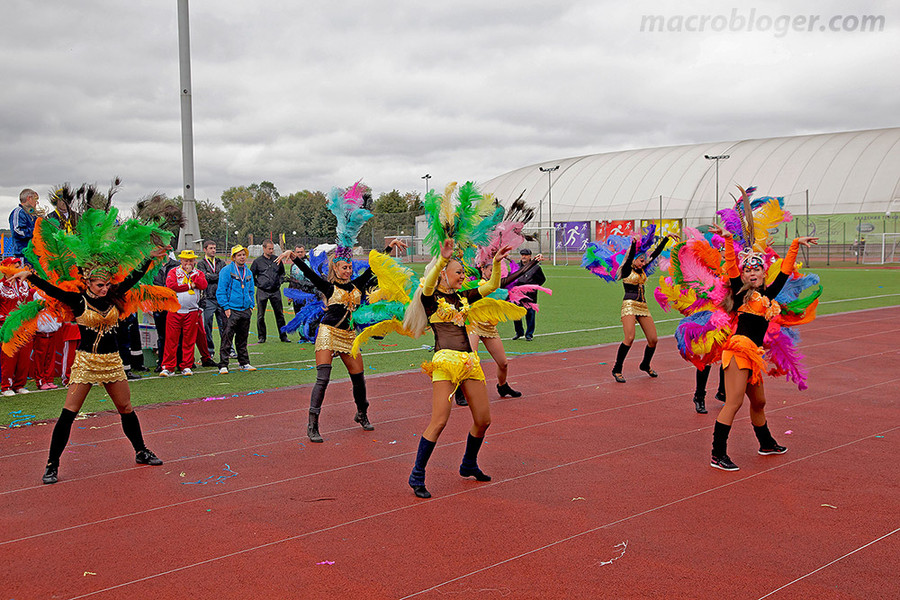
(507, 233)
(783, 354)
(517, 295)
(662, 299)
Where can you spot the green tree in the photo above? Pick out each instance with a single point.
(251, 209)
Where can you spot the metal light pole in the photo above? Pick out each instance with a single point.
(426, 177)
(190, 233)
(717, 158)
(550, 203)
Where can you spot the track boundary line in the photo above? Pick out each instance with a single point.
(825, 566)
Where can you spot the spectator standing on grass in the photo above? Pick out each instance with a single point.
(268, 274)
(159, 316)
(211, 266)
(21, 223)
(235, 295)
(182, 326)
(298, 280)
(534, 276)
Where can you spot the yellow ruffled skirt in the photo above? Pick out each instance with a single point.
(454, 366)
(484, 330)
(97, 368)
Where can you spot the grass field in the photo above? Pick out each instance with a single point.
(583, 311)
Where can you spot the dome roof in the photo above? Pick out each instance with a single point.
(847, 172)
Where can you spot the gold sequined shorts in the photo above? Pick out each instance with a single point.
(485, 330)
(334, 339)
(97, 368)
(635, 308)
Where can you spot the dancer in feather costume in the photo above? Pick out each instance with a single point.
(757, 305)
(441, 304)
(96, 276)
(643, 252)
(509, 234)
(343, 295)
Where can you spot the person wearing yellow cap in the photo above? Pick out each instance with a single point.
(235, 295)
(181, 326)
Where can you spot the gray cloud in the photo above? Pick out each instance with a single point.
(309, 95)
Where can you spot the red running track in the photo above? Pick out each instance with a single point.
(600, 490)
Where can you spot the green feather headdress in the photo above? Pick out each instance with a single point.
(467, 217)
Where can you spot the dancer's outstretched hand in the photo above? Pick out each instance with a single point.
(808, 241)
(287, 254)
(398, 244)
(502, 253)
(160, 251)
(447, 248)
(540, 258)
(716, 229)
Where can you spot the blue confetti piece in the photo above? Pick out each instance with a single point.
(212, 478)
(254, 393)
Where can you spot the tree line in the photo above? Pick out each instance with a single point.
(260, 211)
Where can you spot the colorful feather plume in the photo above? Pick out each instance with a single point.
(468, 217)
(604, 259)
(346, 206)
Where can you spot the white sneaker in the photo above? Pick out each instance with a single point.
(248, 368)
(22, 391)
(164, 373)
(223, 370)
(9, 392)
(187, 372)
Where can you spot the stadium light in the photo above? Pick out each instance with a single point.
(549, 202)
(717, 158)
(426, 177)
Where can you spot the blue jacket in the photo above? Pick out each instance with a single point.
(21, 224)
(230, 295)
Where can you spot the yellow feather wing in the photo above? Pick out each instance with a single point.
(490, 310)
(378, 329)
(393, 278)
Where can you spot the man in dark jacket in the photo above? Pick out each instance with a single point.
(268, 276)
(211, 267)
(534, 277)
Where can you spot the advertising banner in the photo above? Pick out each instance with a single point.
(573, 236)
(604, 229)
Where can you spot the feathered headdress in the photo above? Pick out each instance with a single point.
(468, 218)
(508, 232)
(350, 208)
(751, 222)
(99, 247)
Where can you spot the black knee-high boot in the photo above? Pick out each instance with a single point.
(645, 364)
(720, 393)
(767, 444)
(620, 359)
(132, 428)
(720, 458)
(323, 376)
(469, 466)
(362, 403)
(700, 391)
(417, 477)
(58, 441)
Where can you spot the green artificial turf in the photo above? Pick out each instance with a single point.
(582, 311)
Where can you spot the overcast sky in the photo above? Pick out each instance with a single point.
(313, 94)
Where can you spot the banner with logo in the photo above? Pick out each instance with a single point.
(604, 229)
(573, 236)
